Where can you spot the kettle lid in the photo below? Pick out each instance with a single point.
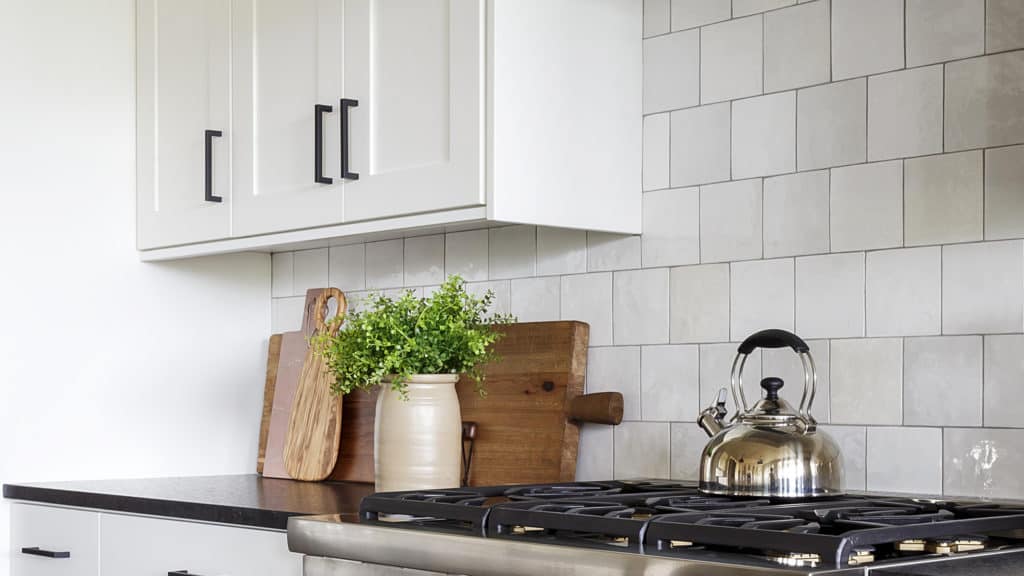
(771, 410)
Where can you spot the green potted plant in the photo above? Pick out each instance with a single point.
(415, 349)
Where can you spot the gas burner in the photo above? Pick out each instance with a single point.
(691, 503)
(746, 521)
(578, 490)
(460, 497)
(658, 486)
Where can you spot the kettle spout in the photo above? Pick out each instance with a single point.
(712, 418)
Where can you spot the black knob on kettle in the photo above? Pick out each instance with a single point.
(771, 386)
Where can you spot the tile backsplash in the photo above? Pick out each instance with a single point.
(852, 170)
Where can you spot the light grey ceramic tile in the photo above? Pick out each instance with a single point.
(761, 296)
(983, 463)
(355, 299)
(642, 450)
(640, 306)
(745, 7)
(513, 252)
(905, 459)
(588, 298)
(424, 260)
(699, 303)
(282, 276)
(346, 267)
(656, 151)
(1004, 372)
(607, 251)
(830, 296)
(310, 270)
(715, 369)
(796, 214)
(286, 314)
(783, 363)
(700, 149)
(867, 206)
(1004, 193)
(672, 71)
(981, 288)
(730, 221)
(501, 290)
(616, 370)
(764, 135)
(669, 382)
(536, 299)
(985, 101)
(1004, 25)
(692, 13)
(904, 292)
(867, 381)
(465, 254)
(594, 461)
(561, 251)
(384, 264)
(832, 124)
(688, 442)
(796, 47)
(851, 441)
(905, 113)
(942, 381)
(731, 59)
(867, 37)
(943, 198)
(656, 17)
(671, 224)
(941, 30)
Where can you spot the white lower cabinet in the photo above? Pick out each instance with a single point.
(50, 541)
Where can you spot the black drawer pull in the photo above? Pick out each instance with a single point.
(210, 134)
(318, 144)
(182, 573)
(37, 551)
(346, 103)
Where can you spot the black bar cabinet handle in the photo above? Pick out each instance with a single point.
(346, 103)
(37, 551)
(318, 145)
(182, 573)
(210, 134)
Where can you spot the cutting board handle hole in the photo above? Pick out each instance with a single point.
(332, 309)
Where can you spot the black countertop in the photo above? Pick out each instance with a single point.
(244, 500)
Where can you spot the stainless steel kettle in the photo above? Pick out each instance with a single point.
(769, 449)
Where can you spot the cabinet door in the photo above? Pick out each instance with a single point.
(415, 67)
(47, 541)
(288, 61)
(184, 80)
(143, 546)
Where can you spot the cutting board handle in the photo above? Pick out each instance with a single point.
(315, 319)
(599, 408)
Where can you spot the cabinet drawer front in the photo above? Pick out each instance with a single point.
(48, 541)
(141, 546)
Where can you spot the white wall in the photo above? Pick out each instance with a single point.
(108, 367)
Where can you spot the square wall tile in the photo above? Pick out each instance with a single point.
(904, 292)
(701, 145)
(693, 13)
(905, 460)
(652, 461)
(783, 363)
(942, 381)
(656, 17)
(512, 252)
(424, 260)
(867, 206)
(941, 30)
(310, 270)
(830, 296)
(640, 307)
(985, 101)
(699, 303)
(656, 151)
(796, 47)
(346, 267)
(981, 288)
(1004, 372)
(465, 254)
(867, 37)
(832, 125)
(983, 463)
(595, 458)
(606, 251)
(905, 113)
(716, 368)
(616, 370)
(286, 314)
(866, 377)
(731, 59)
(1004, 25)
(688, 441)
(588, 298)
(669, 383)
(282, 274)
(943, 198)
(796, 214)
(671, 224)
(730, 221)
(385, 264)
(852, 446)
(1004, 193)
(761, 296)
(501, 290)
(536, 299)
(671, 71)
(764, 135)
(561, 251)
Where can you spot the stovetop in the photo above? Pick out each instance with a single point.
(673, 519)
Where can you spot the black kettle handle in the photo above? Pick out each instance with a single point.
(773, 338)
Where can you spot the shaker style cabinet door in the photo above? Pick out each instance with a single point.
(49, 541)
(184, 131)
(414, 76)
(287, 82)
